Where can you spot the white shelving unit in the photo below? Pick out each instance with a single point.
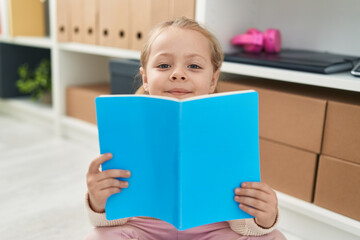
(343, 80)
(305, 220)
(314, 25)
(23, 107)
(39, 42)
(100, 50)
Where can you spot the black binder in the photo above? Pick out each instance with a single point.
(301, 60)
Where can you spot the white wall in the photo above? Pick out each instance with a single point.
(323, 25)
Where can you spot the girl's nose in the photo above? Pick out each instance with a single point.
(178, 75)
(174, 78)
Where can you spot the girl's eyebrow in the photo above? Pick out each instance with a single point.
(163, 54)
(191, 55)
(195, 55)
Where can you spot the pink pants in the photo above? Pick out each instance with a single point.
(149, 229)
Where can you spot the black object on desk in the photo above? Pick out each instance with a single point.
(123, 72)
(301, 60)
(356, 70)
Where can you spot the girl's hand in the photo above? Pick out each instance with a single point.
(103, 184)
(258, 200)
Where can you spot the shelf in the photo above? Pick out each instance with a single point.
(319, 213)
(318, 222)
(35, 112)
(40, 42)
(343, 81)
(80, 125)
(100, 50)
(81, 131)
(26, 106)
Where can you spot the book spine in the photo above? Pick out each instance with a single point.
(180, 213)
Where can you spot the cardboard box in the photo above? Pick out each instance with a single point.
(114, 22)
(342, 131)
(183, 8)
(91, 21)
(63, 20)
(160, 10)
(122, 26)
(77, 31)
(26, 18)
(80, 100)
(337, 186)
(145, 14)
(287, 118)
(287, 169)
(139, 22)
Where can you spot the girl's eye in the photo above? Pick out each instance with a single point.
(194, 66)
(164, 65)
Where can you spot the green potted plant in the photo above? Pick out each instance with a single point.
(36, 82)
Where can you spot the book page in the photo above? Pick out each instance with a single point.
(141, 133)
(219, 142)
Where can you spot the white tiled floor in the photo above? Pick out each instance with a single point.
(42, 183)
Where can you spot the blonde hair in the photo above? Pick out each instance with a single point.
(216, 53)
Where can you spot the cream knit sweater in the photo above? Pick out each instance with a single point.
(246, 227)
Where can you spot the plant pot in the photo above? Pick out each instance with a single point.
(46, 98)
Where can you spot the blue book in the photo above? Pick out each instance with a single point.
(186, 156)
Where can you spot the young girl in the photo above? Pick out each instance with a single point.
(181, 59)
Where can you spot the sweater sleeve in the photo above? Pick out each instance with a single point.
(248, 227)
(99, 219)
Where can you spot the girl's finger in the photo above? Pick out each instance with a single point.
(111, 182)
(257, 185)
(254, 193)
(114, 173)
(95, 164)
(110, 191)
(252, 202)
(252, 211)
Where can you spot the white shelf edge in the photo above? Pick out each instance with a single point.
(200, 14)
(318, 213)
(40, 42)
(36, 113)
(25, 106)
(342, 81)
(4, 20)
(100, 50)
(80, 125)
(81, 131)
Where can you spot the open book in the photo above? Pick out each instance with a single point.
(186, 156)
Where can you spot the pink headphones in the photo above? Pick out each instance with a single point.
(254, 40)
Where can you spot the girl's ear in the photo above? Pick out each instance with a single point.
(214, 81)
(144, 79)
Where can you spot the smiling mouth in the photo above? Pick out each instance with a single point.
(178, 92)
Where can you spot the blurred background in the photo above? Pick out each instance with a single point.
(56, 56)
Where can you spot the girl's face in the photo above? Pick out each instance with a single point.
(179, 65)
